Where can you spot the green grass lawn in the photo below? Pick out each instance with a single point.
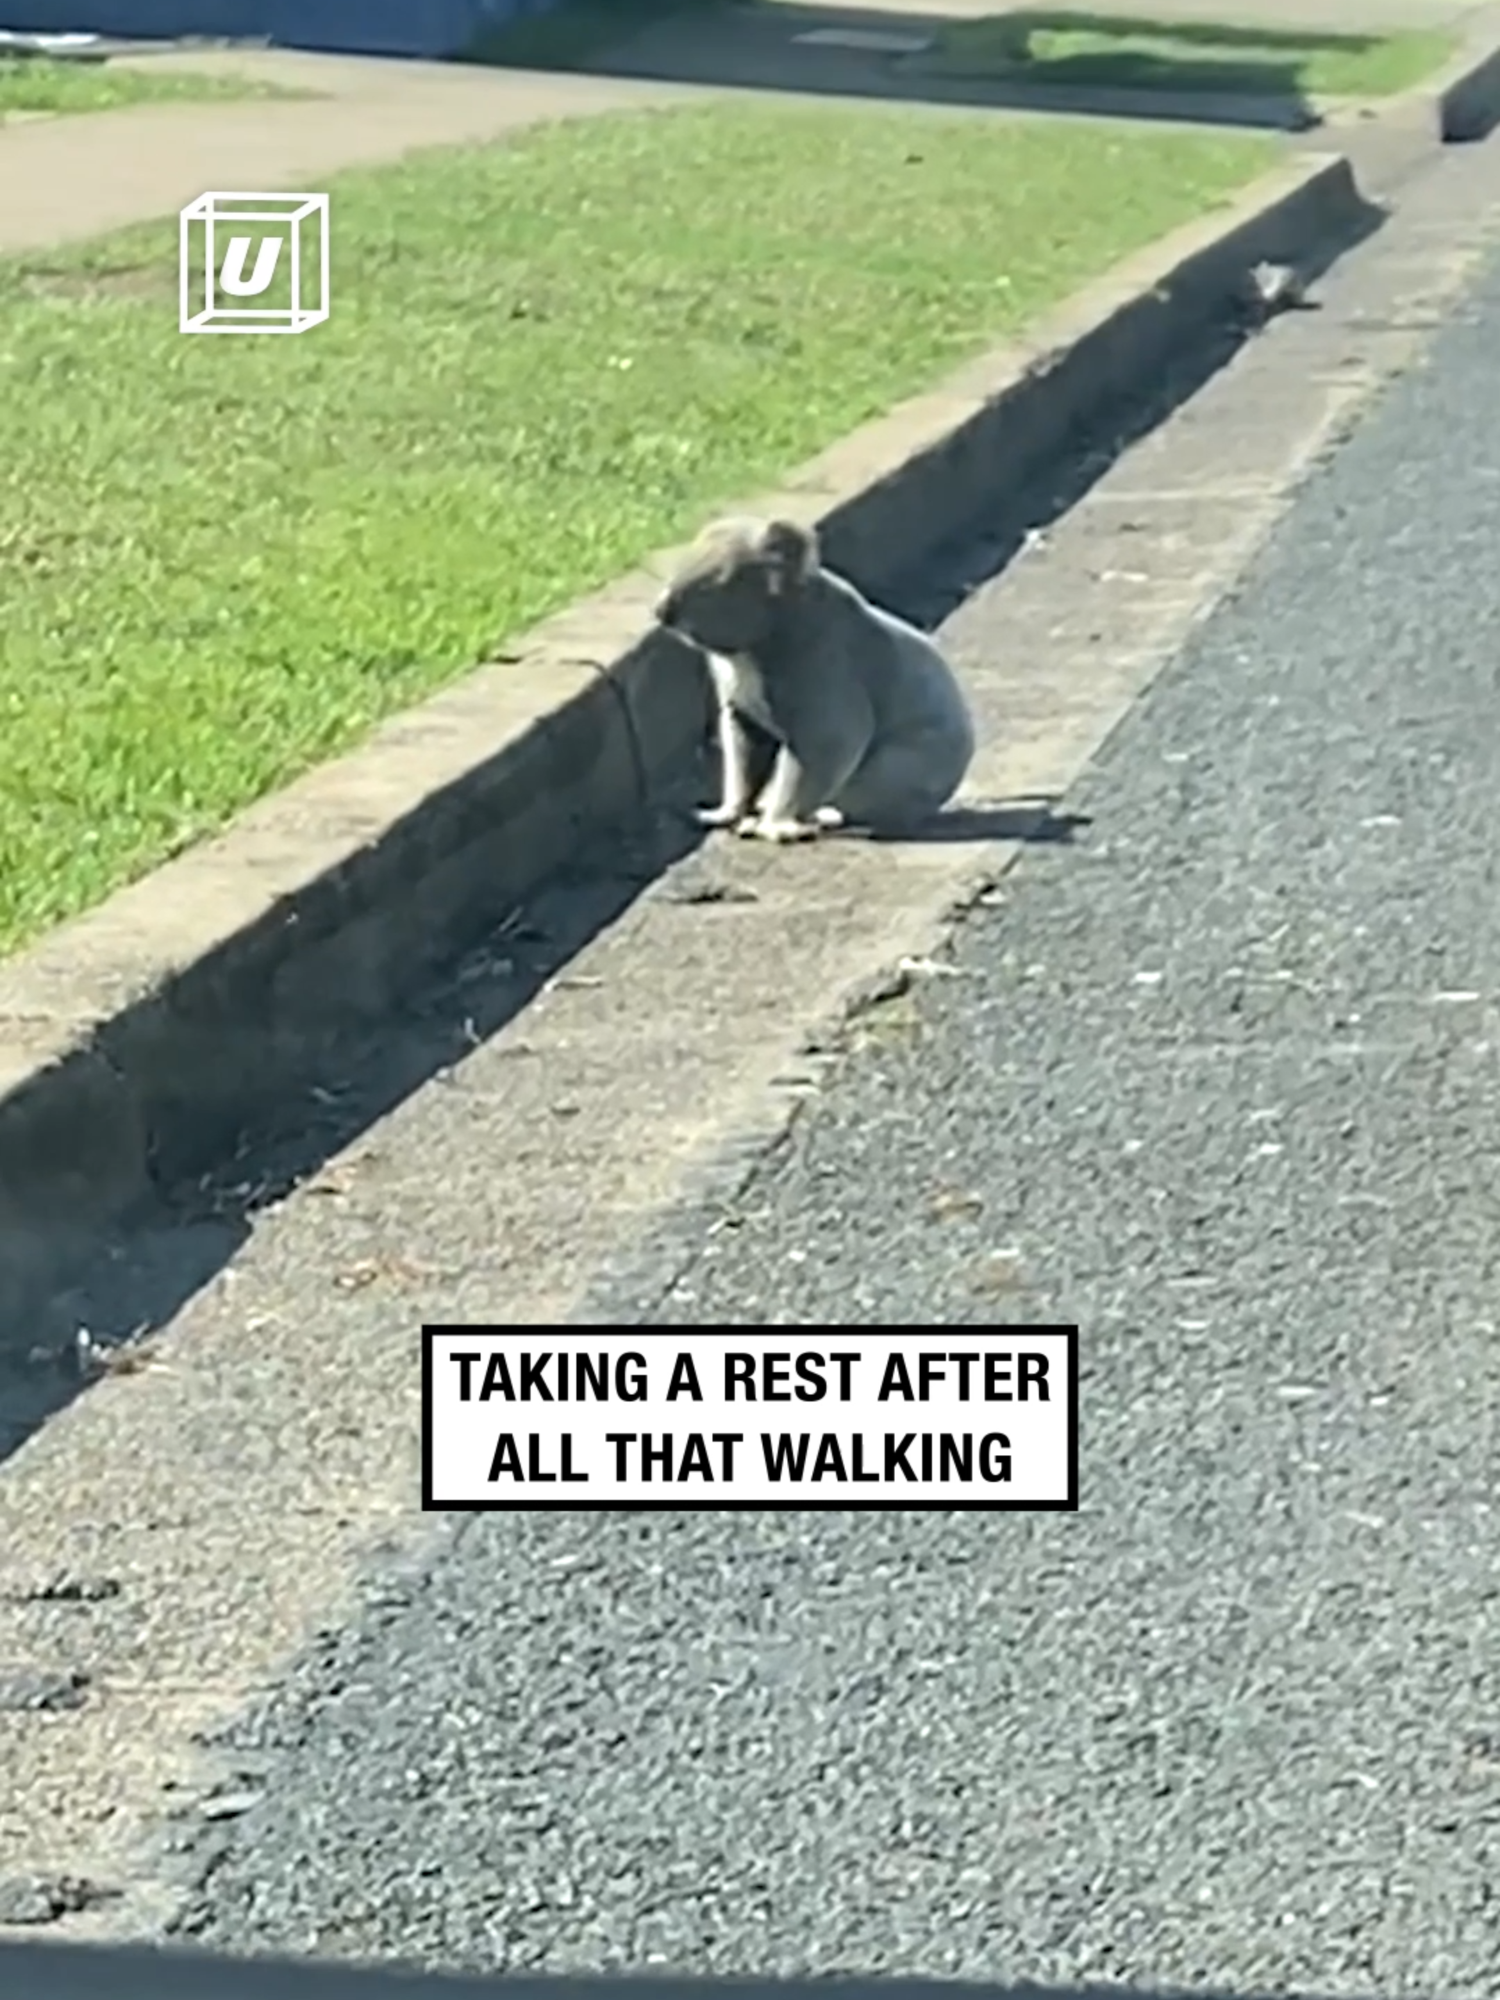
(222, 560)
(1125, 52)
(33, 83)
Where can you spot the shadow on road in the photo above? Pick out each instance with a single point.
(83, 1972)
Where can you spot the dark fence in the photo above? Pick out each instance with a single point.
(432, 28)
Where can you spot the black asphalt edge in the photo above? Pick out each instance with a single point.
(291, 934)
(47, 1971)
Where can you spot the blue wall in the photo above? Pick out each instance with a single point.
(358, 27)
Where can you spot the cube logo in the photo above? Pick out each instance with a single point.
(254, 263)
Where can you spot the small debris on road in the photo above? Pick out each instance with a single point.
(64, 1588)
(370, 1270)
(128, 1357)
(42, 1899)
(41, 1690)
(712, 892)
(952, 1204)
(929, 968)
(339, 1176)
(1000, 1272)
(229, 1805)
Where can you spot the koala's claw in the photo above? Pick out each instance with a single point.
(781, 831)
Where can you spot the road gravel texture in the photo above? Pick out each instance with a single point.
(1218, 1081)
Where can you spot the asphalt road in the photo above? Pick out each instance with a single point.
(1218, 1081)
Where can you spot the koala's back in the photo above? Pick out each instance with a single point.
(911, 688)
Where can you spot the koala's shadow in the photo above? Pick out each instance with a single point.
(1033, 820)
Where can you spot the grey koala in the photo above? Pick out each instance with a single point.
(831, 711)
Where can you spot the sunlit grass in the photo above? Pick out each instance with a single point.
(36, 83)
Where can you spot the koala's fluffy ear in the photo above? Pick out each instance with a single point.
(790, 553)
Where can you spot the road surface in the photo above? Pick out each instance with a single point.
(1219, 1080)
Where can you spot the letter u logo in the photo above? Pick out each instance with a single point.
(232, 271)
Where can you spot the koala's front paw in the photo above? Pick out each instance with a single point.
(725, 815)
(781, 831)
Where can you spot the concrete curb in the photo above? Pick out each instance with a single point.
(1458, 104)
(141, 1043)
(1465, 93)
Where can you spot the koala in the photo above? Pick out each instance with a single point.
(831, 711)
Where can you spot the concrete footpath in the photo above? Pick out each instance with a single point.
(69, 178)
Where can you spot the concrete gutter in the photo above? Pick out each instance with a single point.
(143, 1043)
